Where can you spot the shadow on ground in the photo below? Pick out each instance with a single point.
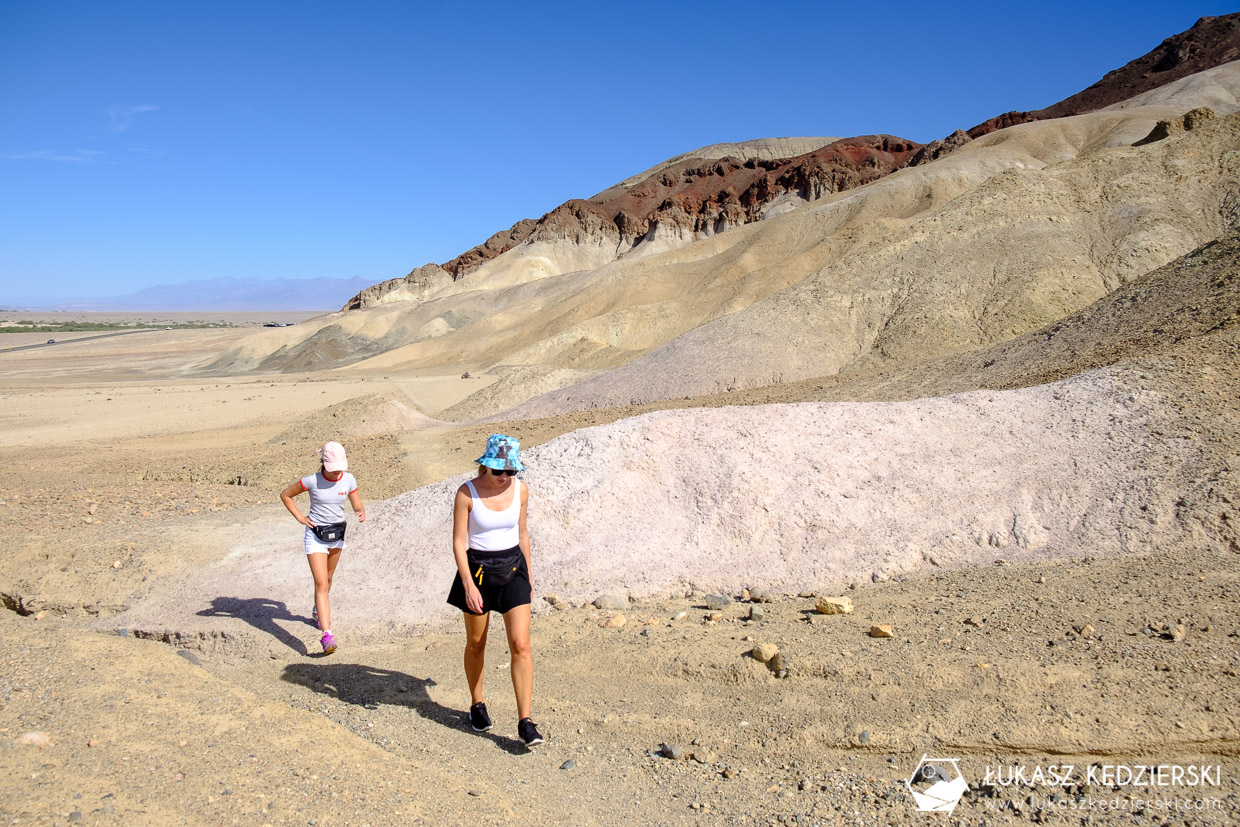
(368, 687)
(262, 614)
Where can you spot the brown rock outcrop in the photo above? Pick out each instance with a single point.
(696, 197)
(1189, 120)
(1212, 41)
(421, 281)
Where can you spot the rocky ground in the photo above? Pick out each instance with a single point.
(667, 718)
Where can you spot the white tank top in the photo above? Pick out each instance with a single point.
(494, 530)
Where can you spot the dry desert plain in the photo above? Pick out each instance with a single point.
(158, 664)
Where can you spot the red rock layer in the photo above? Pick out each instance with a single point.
(1212, 41)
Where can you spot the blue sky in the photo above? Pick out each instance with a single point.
(146, 143)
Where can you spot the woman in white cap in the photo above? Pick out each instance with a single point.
(491, 544)
(325, 525)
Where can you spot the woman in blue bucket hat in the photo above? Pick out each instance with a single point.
(491, 543)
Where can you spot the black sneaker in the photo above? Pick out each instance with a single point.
(479, 719)
(529, 733)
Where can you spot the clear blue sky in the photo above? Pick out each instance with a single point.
(146, 143)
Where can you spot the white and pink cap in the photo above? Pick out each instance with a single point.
(332, 454)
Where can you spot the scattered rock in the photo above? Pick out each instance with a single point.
(806, 593)
(881, 630)
(568, 765)
(611, 602)
(189, 656)
(714, 617)
(1174, 632)
(717, 602)
(728, 772)
(553, 599)
(864, 737)
(764, 652)
(756, 613)
(475, 792)
(705, 757)
(779, 662)
(680, 615)
(1087, 630)
(833, 605)
(673, 751)
(976, 620)
(613, 622)
(758, 595)
(34, 739)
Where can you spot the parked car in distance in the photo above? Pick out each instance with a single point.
(51, 341)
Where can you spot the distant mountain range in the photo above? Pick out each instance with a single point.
(223, 294)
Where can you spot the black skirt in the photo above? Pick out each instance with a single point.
(516, 592)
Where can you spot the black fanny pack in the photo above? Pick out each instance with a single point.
(496, 571)
(330, 533)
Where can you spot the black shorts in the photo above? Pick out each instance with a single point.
(514, 593)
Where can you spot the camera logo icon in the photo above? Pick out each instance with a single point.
(937, 785)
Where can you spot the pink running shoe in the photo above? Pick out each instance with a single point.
(329, 643)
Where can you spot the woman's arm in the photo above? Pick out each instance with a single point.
(460, 547)
(286, 496)
(524, 539)
(359, 510)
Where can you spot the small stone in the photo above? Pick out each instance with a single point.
(93, 742)
(673, 751)
(806, 593)
(475, 792)
(705, 757)
(833, 605)
(553, 599)
(680, 616)
(758, 595)
(976, 621)
(745, 594)
(1087, 630)
(763, 652)
(779, 663)
(75, 816)
(864, 737)
(881, 630)
(568, 765)
(34, 739)
(116, 564)
(756, 612)
(614, 622)
(718, 602)
(714, 617)
(189, 656)
(610, 602)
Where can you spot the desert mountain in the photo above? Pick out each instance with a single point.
(844, 259)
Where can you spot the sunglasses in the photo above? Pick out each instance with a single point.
(499, 472)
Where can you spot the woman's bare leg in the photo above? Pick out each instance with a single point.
(323, 566)
(476, 627)
(517, 625)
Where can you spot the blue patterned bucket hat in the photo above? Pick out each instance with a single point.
(503, 453)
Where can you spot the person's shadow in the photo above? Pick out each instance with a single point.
(368, 687)
(262, 614)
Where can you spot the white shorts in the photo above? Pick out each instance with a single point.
(316, 546)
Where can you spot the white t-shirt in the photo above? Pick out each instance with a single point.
(327, 498)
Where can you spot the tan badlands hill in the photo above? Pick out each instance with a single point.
(1002, 236)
